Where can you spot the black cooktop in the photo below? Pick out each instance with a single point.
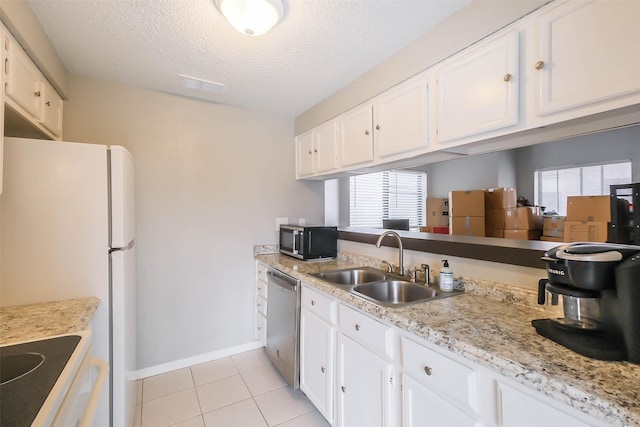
(22, 398)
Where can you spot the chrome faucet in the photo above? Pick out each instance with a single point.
(400, 248)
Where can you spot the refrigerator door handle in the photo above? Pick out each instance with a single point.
(126, 248)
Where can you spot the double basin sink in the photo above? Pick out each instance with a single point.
(379, 287)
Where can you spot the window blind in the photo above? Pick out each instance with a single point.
(552, 187)
(395, 194)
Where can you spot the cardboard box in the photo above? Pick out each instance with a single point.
(526, 218)
(522, 234)
(436, 230)
(585, 231)
(500, 198)
(437, 212)
(552, 232)
(551, 239)
(554, 222)
(467, 225)
(466, 203)
(589, 208)
(490, 232)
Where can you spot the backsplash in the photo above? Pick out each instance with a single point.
(486, 288)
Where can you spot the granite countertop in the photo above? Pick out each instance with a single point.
(499, 336)
(33, 321)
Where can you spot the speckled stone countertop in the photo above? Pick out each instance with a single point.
(33, 321)
(499, 336)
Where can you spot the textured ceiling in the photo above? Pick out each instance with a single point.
(319, 47)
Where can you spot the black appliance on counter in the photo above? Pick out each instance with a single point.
(598, 285)
(309, 241)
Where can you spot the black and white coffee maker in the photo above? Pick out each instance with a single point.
(598, 285)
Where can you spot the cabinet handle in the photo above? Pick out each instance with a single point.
(377, 127)
(309, 151)
(37, 93)
(344, 389)
(539, 65)
(366, 132)
(507, 77)
(357, 327)
(427, 370)
(322, 369)
(6, 65)
(315, 150)
(313, 302)
(48, 104)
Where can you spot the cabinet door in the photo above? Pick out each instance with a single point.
(364, 386)
(304, 155)
(477, 91)
(517, 409)
(356, 137)
(421, 407)
(584, 55)
(51, 110)
(23, 81)
(400, 119)
(317, 355)
(325, 139)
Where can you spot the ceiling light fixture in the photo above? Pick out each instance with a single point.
(252, 17)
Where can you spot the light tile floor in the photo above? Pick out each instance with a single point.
(244, 390)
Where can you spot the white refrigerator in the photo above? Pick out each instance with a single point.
(67, 231)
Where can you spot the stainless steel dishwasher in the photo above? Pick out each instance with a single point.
(283, 325)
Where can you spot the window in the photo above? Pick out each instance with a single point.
(395, 194)
(551, 187)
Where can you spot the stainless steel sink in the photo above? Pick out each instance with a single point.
(352, 276)
(379, 287)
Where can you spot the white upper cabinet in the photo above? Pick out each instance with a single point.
(24, 86)
(401, 119)
(317, 150)
(585, 58)
(305, 159)
(27, 91)
(325, 139)
(355, 137)
(478, 89)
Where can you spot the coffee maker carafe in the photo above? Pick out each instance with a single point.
(598, 287)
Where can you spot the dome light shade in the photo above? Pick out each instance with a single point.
(251, 17)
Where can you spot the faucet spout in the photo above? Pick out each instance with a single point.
(400, 249)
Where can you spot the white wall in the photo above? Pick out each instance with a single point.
(211, 179)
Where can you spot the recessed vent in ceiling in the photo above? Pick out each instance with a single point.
(201, 84)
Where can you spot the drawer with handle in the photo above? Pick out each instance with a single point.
(319, 304)
(372, 334)
(448, 378)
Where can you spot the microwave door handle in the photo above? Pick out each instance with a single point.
(309, 241)
(294, 250)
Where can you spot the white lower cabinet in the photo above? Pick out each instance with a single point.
(261, 303)
(364, 386)
(421, 407)
(317, 350)
(385, 376)
(518, 409)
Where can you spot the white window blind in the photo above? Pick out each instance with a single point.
(392, 194)
(551, 187)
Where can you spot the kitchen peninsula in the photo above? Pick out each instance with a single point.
(489, 328)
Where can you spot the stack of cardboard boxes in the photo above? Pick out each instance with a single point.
(466, 213)
(587, 218)
(504, 219)
(437, 216)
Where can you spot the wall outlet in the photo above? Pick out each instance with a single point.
(281, 221)
(302, 221)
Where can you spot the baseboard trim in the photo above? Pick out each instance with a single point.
(195, 360)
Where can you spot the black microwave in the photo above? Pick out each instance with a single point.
(309, 241)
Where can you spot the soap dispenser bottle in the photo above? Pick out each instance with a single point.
(446, 277)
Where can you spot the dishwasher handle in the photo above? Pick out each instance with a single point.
(283, 280)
